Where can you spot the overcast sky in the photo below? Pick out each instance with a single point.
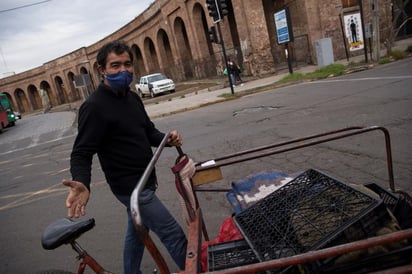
(47, 29)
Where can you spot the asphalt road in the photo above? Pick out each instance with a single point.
(31, 195)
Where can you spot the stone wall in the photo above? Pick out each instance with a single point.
(171, 36)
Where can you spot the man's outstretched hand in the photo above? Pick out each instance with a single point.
(77, 199)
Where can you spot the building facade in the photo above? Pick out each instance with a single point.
(172, 36)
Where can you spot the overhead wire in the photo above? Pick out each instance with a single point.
(25, 6)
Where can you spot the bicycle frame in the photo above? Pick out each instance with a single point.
(87, 260)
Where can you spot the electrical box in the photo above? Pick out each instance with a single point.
(324, 52)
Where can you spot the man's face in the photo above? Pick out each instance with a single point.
(117, 63)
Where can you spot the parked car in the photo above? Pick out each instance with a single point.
(17, 115)
(154, 84)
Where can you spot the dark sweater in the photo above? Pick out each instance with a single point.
(118, 129)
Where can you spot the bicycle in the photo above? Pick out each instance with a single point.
(67, 231)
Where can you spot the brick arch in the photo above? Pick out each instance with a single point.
(139, 67)
(46, 86)
(74, 94)
(207, 66)
(61, 96)
(90, 85)
(22, 104)
(201, 29)
(165, 53)
(34, 97)
(95, 74)
(184, 48)
(151, 55)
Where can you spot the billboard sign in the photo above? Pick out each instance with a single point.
(283, 27)
(353, 31)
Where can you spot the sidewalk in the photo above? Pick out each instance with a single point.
(171, 105)
(205, 97)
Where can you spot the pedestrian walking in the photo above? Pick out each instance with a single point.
(234, 72)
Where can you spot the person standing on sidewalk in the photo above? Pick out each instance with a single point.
(234, 72)
(113, 124)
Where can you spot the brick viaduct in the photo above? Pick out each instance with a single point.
(171, 36)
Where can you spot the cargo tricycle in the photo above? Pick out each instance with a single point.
(300, 222)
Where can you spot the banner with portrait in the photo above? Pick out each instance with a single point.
(353, 31)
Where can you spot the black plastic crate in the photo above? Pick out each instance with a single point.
(389, 199)
(230, 254)
(398, 203)
(310, 212)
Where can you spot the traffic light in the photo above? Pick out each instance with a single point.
(224, 8)
(213, 35)
(214, 10)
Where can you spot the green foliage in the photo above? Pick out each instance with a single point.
(384, 60)
(328, 71)
(409, 49)
(397, 54)
(291, 77)
(228, 95)
(324, 72)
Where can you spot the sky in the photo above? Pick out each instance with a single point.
(34, 32)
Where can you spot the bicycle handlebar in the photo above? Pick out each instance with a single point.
(134, 199)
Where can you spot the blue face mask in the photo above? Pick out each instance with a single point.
(120, 80)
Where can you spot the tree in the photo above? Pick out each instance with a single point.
(399, 12)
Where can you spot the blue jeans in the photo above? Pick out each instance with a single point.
(157, 218)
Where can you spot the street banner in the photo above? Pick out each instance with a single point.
(353, 31)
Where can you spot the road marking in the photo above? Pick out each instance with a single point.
(25, 198)
(363, 79)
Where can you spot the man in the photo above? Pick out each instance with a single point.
(114, 124)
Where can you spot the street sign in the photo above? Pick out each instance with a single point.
(283, 28)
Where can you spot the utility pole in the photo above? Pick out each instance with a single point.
(365, 48)
(376, 30)
(218, 9)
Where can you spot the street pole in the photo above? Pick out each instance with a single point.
(376, 28)
(224, 57)
(363, 31)
(288, 58)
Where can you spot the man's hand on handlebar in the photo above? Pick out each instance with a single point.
(77, 199)
(174, 139)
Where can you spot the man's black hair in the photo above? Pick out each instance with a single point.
(117, 47)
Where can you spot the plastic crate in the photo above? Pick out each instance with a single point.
(389, 199)
(310, 212)
(398, 203)
(230, 254)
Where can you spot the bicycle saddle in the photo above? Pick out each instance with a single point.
(63, 231)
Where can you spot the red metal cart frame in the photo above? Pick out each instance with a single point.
(213, 173)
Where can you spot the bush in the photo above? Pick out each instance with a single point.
(384, 60)
(331, 70)
(398, 54)
(291, 77)
(409, 49)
